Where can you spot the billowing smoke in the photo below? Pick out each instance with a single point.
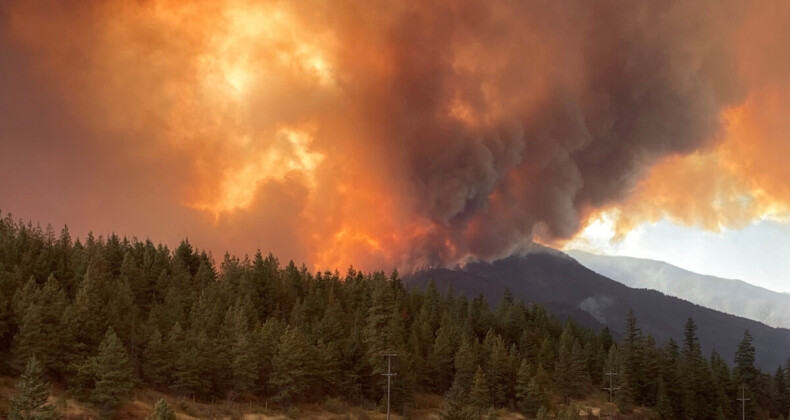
(405, 133)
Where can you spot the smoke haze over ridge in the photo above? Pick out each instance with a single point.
(405, 134)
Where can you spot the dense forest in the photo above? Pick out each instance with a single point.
(101, 316)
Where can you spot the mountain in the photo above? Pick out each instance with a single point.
(566, 287)
(731, 296)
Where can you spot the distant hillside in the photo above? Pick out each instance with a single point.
(731, 296)
(560, 282)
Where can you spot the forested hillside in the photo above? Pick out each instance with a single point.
(564, 286)
(104, 315)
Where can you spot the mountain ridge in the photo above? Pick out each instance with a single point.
(562, 282)
(732, 296)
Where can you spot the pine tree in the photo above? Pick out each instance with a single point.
(454, 408)
(441, 360)
(135, 278)
(34, 390)
(465, 365)
(192, 362)
(537, 392)
(266, 341)
(121, 310)
(570, 369)
(744, 371)
(292, 368)
(499, 373)
(579, 369)
(479, 395)
(633, 356)
(158, 362)
(663, 406)
(88, 315)
(781, 389)
(162, 411)
(4, 324)
(112, 370)
(244, 365)
(724, 386)
(31, 340)
(691, 346)
(39, 333)
(522, 386)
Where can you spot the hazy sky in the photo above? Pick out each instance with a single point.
(405, 133)
(757, 253)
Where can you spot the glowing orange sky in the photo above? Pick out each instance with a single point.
(403, 134)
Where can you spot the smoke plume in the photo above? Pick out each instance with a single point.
(404, 133)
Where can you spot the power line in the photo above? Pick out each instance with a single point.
(389, 376)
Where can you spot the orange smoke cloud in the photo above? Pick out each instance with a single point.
(403, 134)
(742, 178)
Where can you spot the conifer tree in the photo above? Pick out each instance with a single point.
(691, 346)
(39, 334)
(292, 368)
(158, 362)
(479, 395)
(499, 373)
(31, 340)
(564, 376)
(162, 411)
(663, 405)
(132, 275)
(724, 386)
(579, 369)
(781, 389)
(329, 373)
(192, 354)
(266, 341)
(244, 365)
(522, 386)
(454, 407)
(441, 360)
(88, 315)
(465, 365)
(4, 324)
(548, 353)
(744, 371)
(112, 370)
(537, 392)
(121, 310)
(633, 359)
(34, 391)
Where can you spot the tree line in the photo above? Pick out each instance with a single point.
(104, 315)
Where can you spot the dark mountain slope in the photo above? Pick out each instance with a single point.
(569, 289)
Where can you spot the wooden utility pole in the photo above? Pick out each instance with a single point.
(389, 376)
(611, 388)
(743, 400)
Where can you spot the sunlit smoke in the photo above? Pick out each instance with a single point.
(399, 134)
